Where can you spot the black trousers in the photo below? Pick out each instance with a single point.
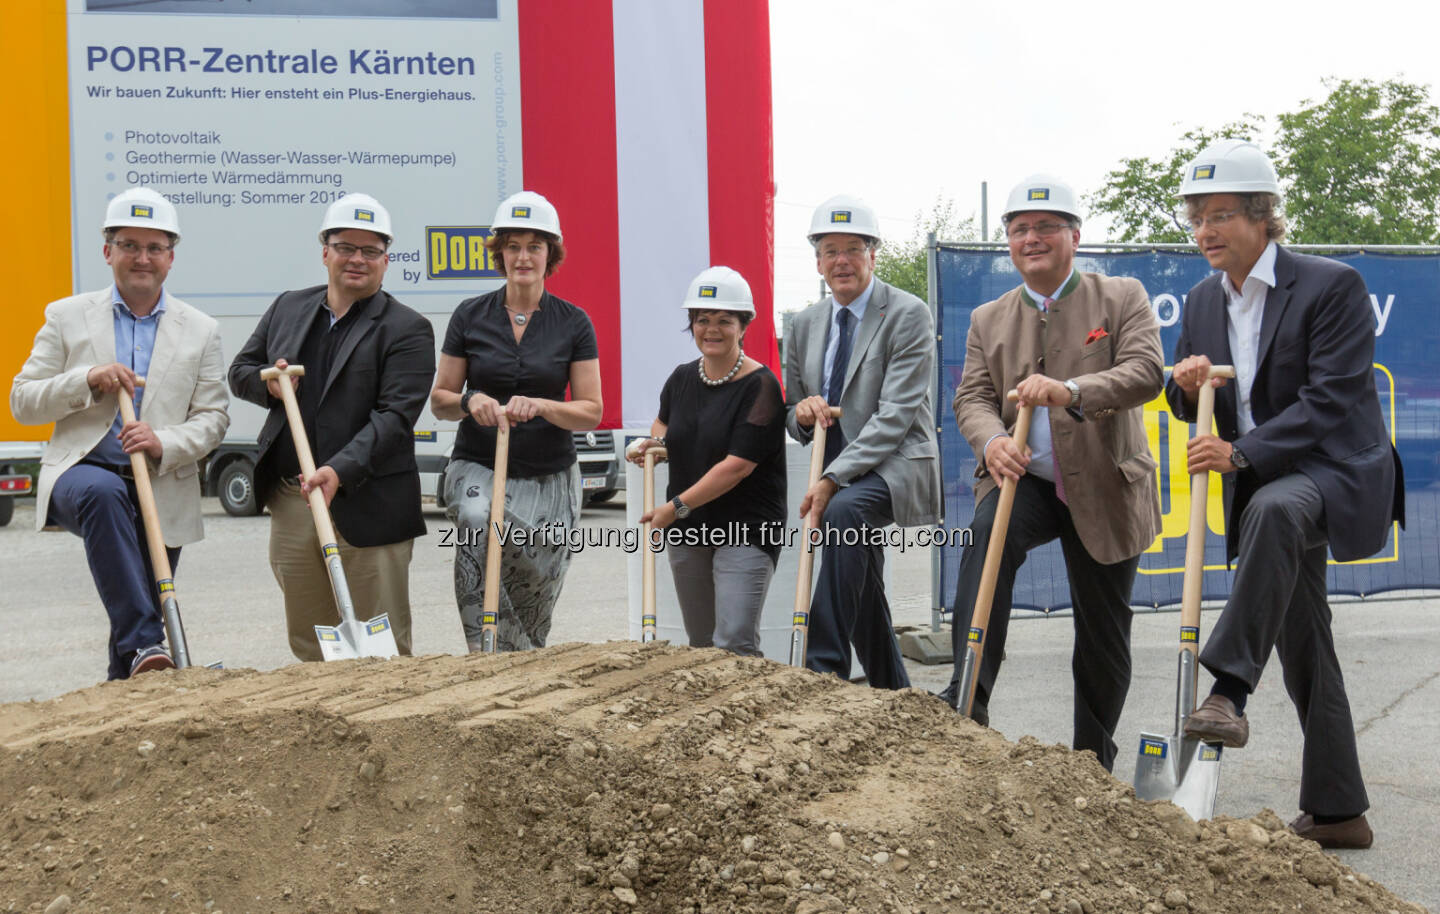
(1100, 663)
(1279, 602)
(849, 606)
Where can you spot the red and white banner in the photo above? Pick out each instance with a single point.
(669, 174)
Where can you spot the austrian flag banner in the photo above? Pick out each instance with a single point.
(656, 147)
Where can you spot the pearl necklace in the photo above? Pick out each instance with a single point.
(730, 374)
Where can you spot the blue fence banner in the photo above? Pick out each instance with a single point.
(1405, 299)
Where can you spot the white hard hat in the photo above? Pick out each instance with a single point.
(846, 215)
(527, 211)
(141, 207)
(1041, 193)
(1230, 167)
(357, 211)
(720, 289)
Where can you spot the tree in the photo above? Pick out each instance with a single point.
(904, 265)
(1139, 196)
(1362, 166)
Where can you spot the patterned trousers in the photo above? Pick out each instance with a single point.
(533, 557)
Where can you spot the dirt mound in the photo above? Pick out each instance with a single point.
(612, 777)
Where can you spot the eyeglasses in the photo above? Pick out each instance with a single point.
(1214, 220)
(131, 248)
(854, 252)
(348, 250)
(1044, 230)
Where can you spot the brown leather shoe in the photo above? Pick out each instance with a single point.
(1352, 833)
(1215, 721)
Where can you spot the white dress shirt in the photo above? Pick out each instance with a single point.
(1247, 309)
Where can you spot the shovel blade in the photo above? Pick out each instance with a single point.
(1156, 772)
(351, 640)
(1199, 778)
(1184, 771)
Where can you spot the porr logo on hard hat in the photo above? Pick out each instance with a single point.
(519, 212)
(141, 212)
(364, 215)
(839, 216)
(1203, 173)
(708, 291)
(1039, 193)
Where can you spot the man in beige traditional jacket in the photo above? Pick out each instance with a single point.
(1085, 350)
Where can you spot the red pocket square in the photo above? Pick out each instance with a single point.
(1097, 334)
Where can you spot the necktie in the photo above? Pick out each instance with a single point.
(835, 440)
(1054, 452)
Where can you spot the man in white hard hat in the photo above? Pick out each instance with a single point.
(368, 361)
(90, 352)
(869, 349)
(1084, 350)
(1307, 463)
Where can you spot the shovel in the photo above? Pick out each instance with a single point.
(990, 572)
(647, 557)
(351, 638)
(490, 612)
(800, 619)
(1186, 771)
(159, 558)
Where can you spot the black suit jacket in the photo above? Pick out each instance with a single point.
(378, 382)
(1314, 401)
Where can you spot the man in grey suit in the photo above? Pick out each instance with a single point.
(870, 349)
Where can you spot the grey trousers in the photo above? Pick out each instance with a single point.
(1279, 602)
(531, 573)
(722, 593)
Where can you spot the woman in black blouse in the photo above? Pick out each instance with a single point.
(722, 420)
(512, 352)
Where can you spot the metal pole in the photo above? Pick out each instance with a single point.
(932, 246)
(984, 210)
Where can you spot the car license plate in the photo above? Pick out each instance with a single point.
(595, 482)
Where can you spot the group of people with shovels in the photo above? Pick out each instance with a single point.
(1057, 371)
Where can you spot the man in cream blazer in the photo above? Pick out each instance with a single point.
(89, 353)
(1084, 349)
(869, 349)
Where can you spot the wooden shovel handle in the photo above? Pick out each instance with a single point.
(1195, 536)
(491, 610)
(154, 538)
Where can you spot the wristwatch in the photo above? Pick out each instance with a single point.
(1074, 394)
(682, 510)
(465, 401)
(1238, 458)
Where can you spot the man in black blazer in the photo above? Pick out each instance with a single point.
(1307, 463)
(369, 362)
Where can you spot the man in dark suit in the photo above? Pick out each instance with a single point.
(868, 348)
(369, 361)
(1307, 463)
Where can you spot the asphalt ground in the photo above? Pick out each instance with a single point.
(55, 633)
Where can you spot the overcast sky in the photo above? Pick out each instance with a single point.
(907, 101)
